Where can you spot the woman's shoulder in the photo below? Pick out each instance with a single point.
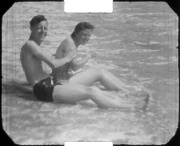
(69, 40)
(68, 43)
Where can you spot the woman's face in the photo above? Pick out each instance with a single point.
(84, 36)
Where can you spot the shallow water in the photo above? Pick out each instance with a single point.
(137, 43)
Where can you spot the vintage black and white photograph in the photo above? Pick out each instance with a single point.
(90, 77)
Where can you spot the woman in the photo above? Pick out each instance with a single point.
(81, 36)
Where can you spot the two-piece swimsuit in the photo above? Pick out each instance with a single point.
(43, 90)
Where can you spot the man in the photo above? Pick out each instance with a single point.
(44, 86)
(31, 55)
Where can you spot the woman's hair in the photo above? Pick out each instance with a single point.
(82, 26)
(37, 19)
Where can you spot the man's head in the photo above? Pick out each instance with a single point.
(39, 27)
(82, 32)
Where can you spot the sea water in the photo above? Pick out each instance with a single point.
(137, 43)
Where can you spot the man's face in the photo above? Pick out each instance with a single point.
(84, 36)
(39, 31)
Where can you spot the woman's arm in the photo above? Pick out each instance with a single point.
(67, 46)
(77, 64)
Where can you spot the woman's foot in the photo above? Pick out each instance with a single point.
(142, 104)
(139, 94)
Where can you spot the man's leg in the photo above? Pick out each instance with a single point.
(72, 93)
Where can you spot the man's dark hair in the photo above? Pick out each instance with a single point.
(81, 26)
(37, 19)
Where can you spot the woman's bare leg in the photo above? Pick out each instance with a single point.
(70, 93)
(86, 78)
(112, 83)
(109, 99)
(109, 81)
(90, 76)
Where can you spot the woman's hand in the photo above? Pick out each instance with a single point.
(92, 54)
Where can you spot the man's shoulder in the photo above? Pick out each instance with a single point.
(29, 45)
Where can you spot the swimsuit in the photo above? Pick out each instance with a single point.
(43, 90)
(62, 74)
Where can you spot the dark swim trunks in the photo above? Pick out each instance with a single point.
(43, 90)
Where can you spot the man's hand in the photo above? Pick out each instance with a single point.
(70, 55)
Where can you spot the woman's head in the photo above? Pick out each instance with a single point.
(82, 32)
(82, 26)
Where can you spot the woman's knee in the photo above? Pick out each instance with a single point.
(99, 72)
(92, 91)
(103, 74)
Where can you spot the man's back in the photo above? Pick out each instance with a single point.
(32, 66)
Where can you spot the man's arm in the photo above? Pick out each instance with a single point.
(68, 46)
(51, 62)
(77, 64)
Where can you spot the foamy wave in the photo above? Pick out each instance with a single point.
(171, 60)
(146, 44)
